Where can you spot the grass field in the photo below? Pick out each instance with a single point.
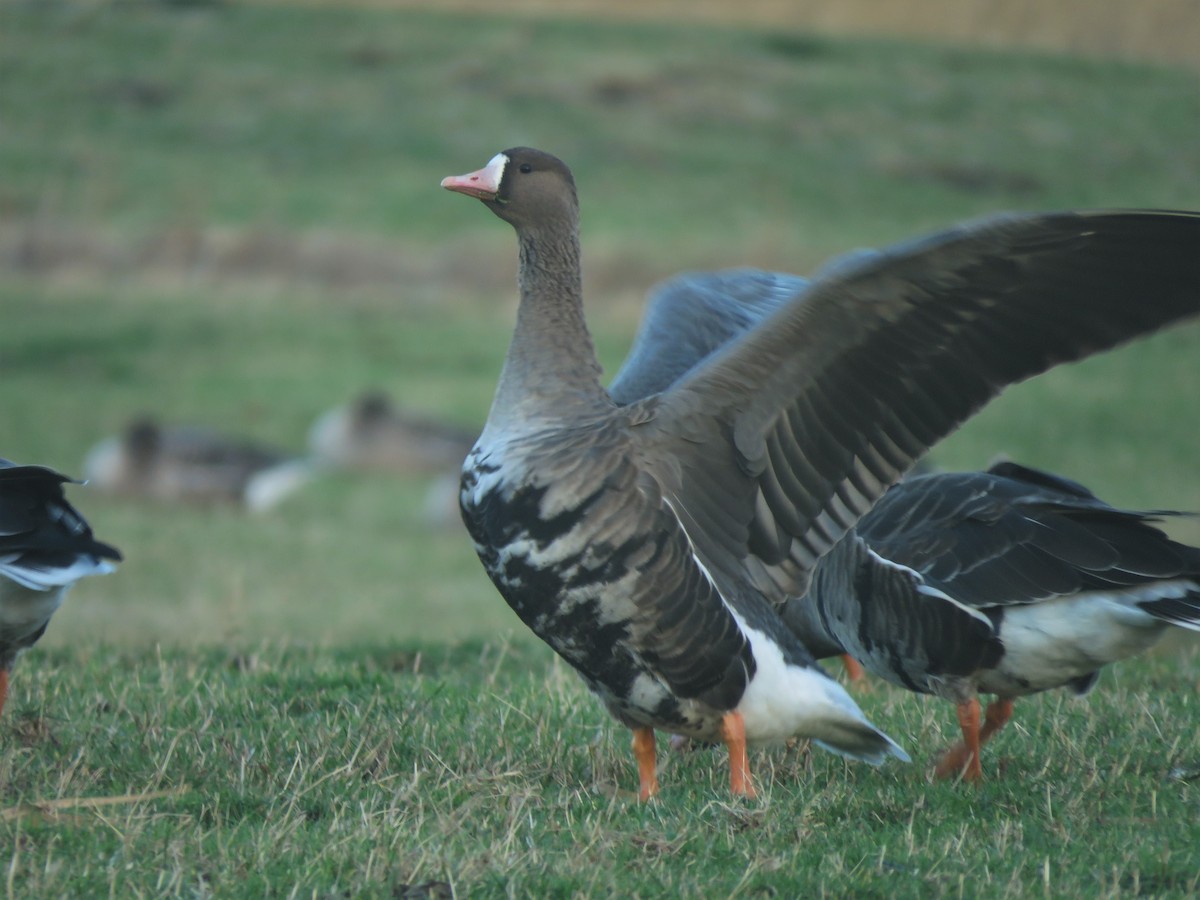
(284, 771)
(229, 215)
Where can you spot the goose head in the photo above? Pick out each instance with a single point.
(523, 187)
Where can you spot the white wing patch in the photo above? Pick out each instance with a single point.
(45, 579)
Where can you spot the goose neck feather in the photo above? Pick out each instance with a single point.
(551, 362)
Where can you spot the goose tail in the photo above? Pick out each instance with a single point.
(864, 742)
(1178, 604)
(268, 488)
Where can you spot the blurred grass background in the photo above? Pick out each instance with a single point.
(228, 214)
(1157, 30)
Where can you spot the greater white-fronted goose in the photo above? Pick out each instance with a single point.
(1007, 582)
(653, 544)
(191, 464)
(45, 547)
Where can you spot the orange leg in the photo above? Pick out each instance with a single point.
(964, 757)
(854, 669)
(3, 688)
(961, 755)
(733, 732)
(999, 711)
(644, 753)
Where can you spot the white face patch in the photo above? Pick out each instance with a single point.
(493, 172)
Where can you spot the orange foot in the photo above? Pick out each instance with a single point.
(963, 757)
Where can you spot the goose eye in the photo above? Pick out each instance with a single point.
(526, 168)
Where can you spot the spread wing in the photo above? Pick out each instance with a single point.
(776, 443)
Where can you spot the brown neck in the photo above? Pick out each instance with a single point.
(551, 370)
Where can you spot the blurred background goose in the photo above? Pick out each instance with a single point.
(371, 434)
(193, 465)
(45, 547)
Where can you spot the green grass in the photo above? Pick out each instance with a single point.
(288, 771)
(137, 114)
(229, 215)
